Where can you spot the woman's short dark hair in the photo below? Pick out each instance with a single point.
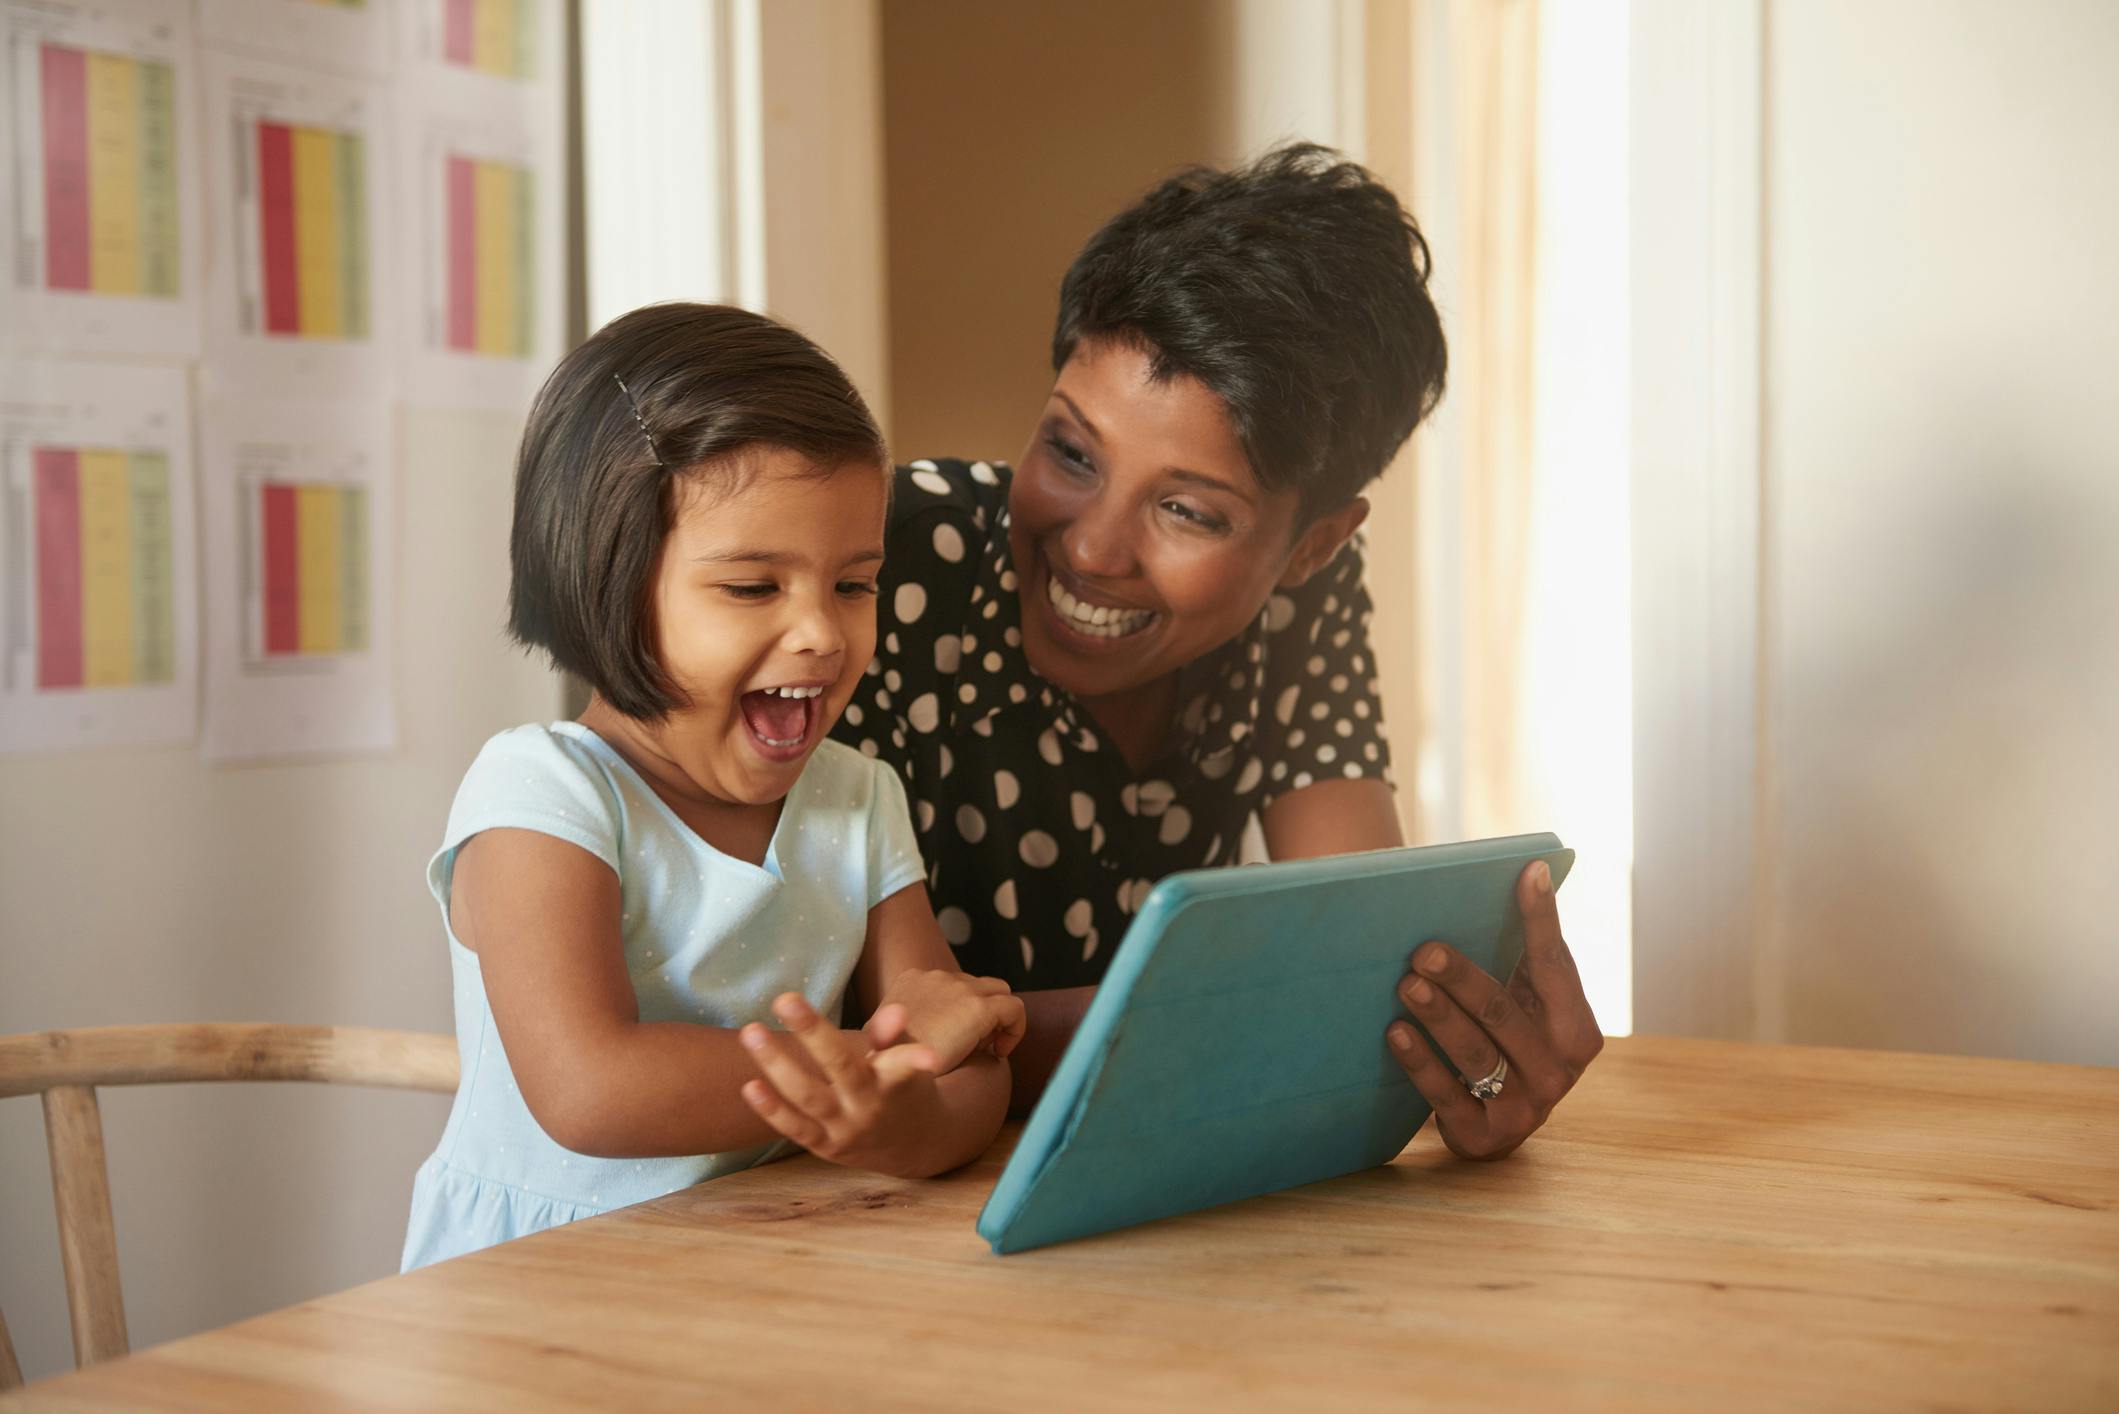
(668, 394)
(1295, 289)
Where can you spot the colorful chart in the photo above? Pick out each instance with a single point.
(491, 258)
(104, 579)
(312, 199)
(492, 36)
(308, 567)
(109, 180)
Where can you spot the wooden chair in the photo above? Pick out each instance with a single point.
(65, 1067)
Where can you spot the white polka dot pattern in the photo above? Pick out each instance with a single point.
(1040, 840)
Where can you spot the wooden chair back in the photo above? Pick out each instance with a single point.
(66, 1067)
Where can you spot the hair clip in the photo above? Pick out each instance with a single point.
(634, 404)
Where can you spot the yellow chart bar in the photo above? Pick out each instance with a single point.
(321, 542)
(316, 233)
(494, 184)
(114, 266)
(106, 569)
(493, 26)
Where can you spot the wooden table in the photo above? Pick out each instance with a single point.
(1702, 1225)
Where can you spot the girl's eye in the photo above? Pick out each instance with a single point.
(1069, 455)
(1193, 515)
(857, 588)
(747, 591)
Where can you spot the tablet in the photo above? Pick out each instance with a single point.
(1236, 1045)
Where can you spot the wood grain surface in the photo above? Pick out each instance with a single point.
(1702, 1225)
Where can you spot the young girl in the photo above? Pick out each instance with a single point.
(699, 511)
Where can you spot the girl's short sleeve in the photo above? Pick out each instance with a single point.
(530, 778)
(1321, 715)
(893, 852)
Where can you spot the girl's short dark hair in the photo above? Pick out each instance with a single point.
(666, 394)
(1296, 290)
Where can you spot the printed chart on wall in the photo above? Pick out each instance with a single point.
(508, 40)
(99, 208)
(488, 226)
(98, 598)
(484, 198)
(347, 36)
(297, 294)
(297, 543)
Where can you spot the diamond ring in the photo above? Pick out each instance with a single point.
(1487, 1086)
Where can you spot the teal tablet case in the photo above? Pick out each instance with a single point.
(1236, 1045)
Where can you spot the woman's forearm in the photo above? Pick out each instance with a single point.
(971, 1102)
(1054, 1017)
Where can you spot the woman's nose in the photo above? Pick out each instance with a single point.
(1099, 541)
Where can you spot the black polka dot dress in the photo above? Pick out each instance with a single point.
(1040, 841)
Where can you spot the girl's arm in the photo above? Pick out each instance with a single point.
(886, 1112)
(543, 917)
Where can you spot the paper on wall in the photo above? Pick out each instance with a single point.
(298, 289)
(354, 36)
(98, 563)
(99, 204)
(300, 641)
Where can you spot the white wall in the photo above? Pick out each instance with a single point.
(1875, 330)
(143, 886)
(1942, 516)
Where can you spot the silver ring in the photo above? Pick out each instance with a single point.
(1488, 1086)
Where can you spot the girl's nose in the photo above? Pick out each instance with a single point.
(815, 629)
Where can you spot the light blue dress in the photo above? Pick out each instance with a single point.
(708, 939)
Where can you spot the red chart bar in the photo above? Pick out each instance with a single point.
(65, 80)
(463, 253)
(283, 575)
(283, 298)
(58, 515)
(456, 31)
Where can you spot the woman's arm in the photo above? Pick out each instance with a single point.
(1540, 1019)
(543, 917)
(907, 963)
(1332, 817)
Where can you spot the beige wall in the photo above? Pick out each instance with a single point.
(1941, 520)
(143, 886)
(1011, 133)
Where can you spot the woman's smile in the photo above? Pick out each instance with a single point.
(1090, 614)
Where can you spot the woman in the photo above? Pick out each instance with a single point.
(1095, 668)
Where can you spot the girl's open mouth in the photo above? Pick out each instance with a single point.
(782, 719)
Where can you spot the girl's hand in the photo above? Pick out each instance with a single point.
(821, 1088)
(952, 1013)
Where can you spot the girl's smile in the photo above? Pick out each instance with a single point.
(763, 613)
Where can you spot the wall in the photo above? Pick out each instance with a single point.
(142, 886)
(1874, 328)
(1011, 132)
(1941, 451)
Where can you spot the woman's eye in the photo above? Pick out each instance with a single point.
(1069, 455)
(1193, 515)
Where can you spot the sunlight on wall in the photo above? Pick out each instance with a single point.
(1577, 701)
